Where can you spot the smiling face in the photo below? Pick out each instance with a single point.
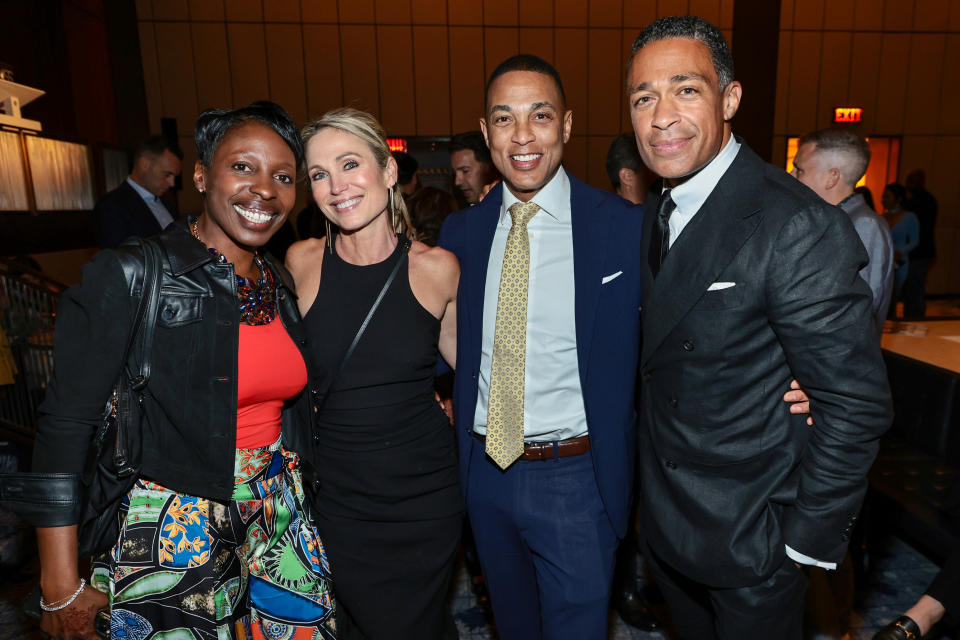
(249, 188)
(526, 127)
(348, 185)
(470, 175)
(680, 117)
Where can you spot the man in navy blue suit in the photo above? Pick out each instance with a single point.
(548, 330)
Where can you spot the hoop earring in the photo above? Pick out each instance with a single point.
(393, 211)
(329, 235)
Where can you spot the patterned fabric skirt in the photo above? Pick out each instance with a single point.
(188, 568)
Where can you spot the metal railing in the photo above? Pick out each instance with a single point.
(28, 309)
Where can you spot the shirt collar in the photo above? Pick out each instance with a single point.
(553, 198)
(143, 193)
(691, 195)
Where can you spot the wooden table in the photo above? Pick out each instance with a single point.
(939, 348)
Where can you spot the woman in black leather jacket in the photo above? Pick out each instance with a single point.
(215, 538)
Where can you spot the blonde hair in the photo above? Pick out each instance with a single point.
(364, 126)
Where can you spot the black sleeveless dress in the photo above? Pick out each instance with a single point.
(389, 503)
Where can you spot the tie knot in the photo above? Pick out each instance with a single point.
(521, 212)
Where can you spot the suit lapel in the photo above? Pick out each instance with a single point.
(590, 228)
(707, 245)
(481, 225)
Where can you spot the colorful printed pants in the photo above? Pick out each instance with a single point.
(188, 568)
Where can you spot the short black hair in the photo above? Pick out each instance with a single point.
(898, 191)
(623, 153)
(693, 28)
(471, 141)
(155, 146)
(407, 165)
(213, 125)
(524, 62)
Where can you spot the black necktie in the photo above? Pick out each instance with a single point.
(660, 240)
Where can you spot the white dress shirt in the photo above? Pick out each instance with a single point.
(689, 197)
(154, 203)
(553, 401)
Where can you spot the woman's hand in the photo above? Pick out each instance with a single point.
(76, 620)
(800, 401)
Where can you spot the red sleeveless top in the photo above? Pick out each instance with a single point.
(270, 370)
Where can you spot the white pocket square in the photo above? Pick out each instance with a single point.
(610, 277)
(716, 286)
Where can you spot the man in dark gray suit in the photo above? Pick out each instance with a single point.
(830, 162)
(749, 280)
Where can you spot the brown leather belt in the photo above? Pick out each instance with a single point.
(545, 450)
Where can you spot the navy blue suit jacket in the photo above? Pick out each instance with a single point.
(606, 241)
(122, 214)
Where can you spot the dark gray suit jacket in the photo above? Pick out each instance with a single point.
(728, 475)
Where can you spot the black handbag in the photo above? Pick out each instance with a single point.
(115, 455)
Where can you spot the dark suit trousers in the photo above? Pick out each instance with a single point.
(771, 609)
(546, 546)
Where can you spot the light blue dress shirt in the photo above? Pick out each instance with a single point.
(553, 401)
(154, 203)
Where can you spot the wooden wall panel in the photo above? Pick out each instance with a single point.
(804, 81)
(535, 13)
(243, 10)
(466, 78)
(931, 15)
(605, 82)
(361, 84)
(629, 35)
(709, 10)
(321, 45)
(539, 42)
(499, 43)
(834, 75)
(395, 57)
(281, 10)
(313, 11)
(431, 77)
(465, 13)
(672, 7)
(808, 14)
(188, 198)
(570, 14)
(392, 12)
(151, 74)
(285, 63)
(605, 13)
(248, 62)
(207, 10)
(782, 105)
(596, 175)
(429, 11)
(898, 15)
(571, 63)
(356, 11)
(868, 15)
(894, 61)
(865, 76)
(500, 13)
(575, 154)
(726, 14)
(838, 14)
(637, 15)
(178, 87)
(170, 10)
(942, 172)
(211, 63)
(924, 80)
(144, 9)
(954, 15)
(948, 120)
(786, 14)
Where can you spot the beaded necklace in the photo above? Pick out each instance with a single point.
(257, 299)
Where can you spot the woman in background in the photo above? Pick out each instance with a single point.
(905, 229)
(386, 489)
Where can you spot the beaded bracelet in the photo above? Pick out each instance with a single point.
(57, 606)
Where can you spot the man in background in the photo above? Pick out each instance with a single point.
(830, 162)
(137, 207)
(924, 206)
(472, 167)
(629, 177)
(407, 173)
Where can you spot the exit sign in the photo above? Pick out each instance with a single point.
(847, 114)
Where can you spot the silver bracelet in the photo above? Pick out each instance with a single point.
(57, 606)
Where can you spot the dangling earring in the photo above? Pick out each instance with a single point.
(329, 235)
(393, 212)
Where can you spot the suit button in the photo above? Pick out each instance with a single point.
(316, 485)
(688, 345)
(316, 437)
(673, 402)
(671, 464)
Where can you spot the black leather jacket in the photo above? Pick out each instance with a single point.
(191, 427)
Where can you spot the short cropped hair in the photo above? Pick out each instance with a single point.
(155, 146)
(213, 125)
(524, 62)
(850, 151)
(407, 165)
(693, 28)
(623, 153)
(471, 141)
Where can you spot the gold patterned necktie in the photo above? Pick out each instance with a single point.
(505, 409)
